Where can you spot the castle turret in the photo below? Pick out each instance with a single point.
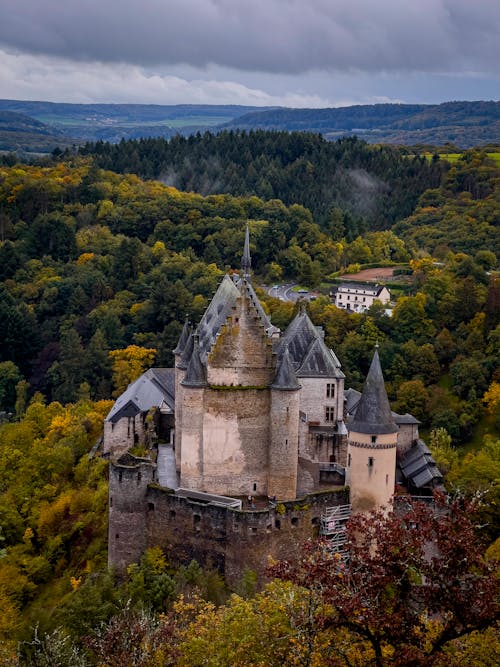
(193, 384)
(283, 450)
(182, 354)
(371, 453)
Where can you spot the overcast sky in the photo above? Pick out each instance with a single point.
(302, 53)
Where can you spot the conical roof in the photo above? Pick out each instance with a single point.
(183, 338)
(187, 352)
(196, 375)
(373, 413)
(285, 379)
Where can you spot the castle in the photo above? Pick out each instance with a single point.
(250, 441)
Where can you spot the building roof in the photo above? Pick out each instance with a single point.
(285, 379)
(309, 354)
(419, 468)
(216, 314)
(196, 373)
(183, 338)
(155, 388)
(373, 413)
(368, 288)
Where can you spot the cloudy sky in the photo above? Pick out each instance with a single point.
(302, 53)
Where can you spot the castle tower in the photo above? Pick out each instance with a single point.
(192, 387)
(371, 451)
(182, 355)
(284, 445)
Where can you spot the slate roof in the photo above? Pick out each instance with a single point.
(373, 413)
(367, 288)
(419, 468)
(218, 310)
(196, 374)
(309, 354)
(285, 379)
(183, 338)
(155, 388)
(352, 398)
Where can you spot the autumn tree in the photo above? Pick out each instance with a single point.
(129, 364)
(415, 579)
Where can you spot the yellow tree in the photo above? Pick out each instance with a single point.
(128, 364)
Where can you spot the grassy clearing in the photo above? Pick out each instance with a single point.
(454, 157)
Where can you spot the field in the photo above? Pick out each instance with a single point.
(370, 275)
(454, 157)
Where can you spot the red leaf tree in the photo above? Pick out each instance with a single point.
(414, 580)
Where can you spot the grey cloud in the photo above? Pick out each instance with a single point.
(278, 36)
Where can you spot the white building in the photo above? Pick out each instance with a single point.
(358, 297)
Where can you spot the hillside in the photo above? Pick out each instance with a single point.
(19, 132)
(464, 124)
(112, 122)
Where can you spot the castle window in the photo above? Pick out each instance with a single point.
(255, 486)
(374, 438)
(329, 413)
(330, 390)
(120, 476)
(111, 501)
(387, 479)
(277, 524)
(151, 507)
(172, 514)
(315, 520)
(196, 519)
(349, 460)
(117, 536)
(254, 529)
(139, 477)
(295, 521)
(370, 461)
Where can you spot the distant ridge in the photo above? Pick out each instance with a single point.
(19, 132)
(464, 124)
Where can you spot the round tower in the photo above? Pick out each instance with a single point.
(182, 355)
(192, 396)
(371, 449)
(284, 446)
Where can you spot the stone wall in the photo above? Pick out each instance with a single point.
(128, 486)
(242, 354)
(230, 540)
(125, 433)
(236, 438)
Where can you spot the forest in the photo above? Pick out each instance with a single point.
(98, 270)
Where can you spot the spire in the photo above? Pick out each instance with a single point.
(246, 261)
(183, 338)
(373, 414)
(187, 352)
(195, 374)
(285, 379)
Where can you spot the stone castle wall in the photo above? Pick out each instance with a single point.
(146, 515)
(125, 433)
